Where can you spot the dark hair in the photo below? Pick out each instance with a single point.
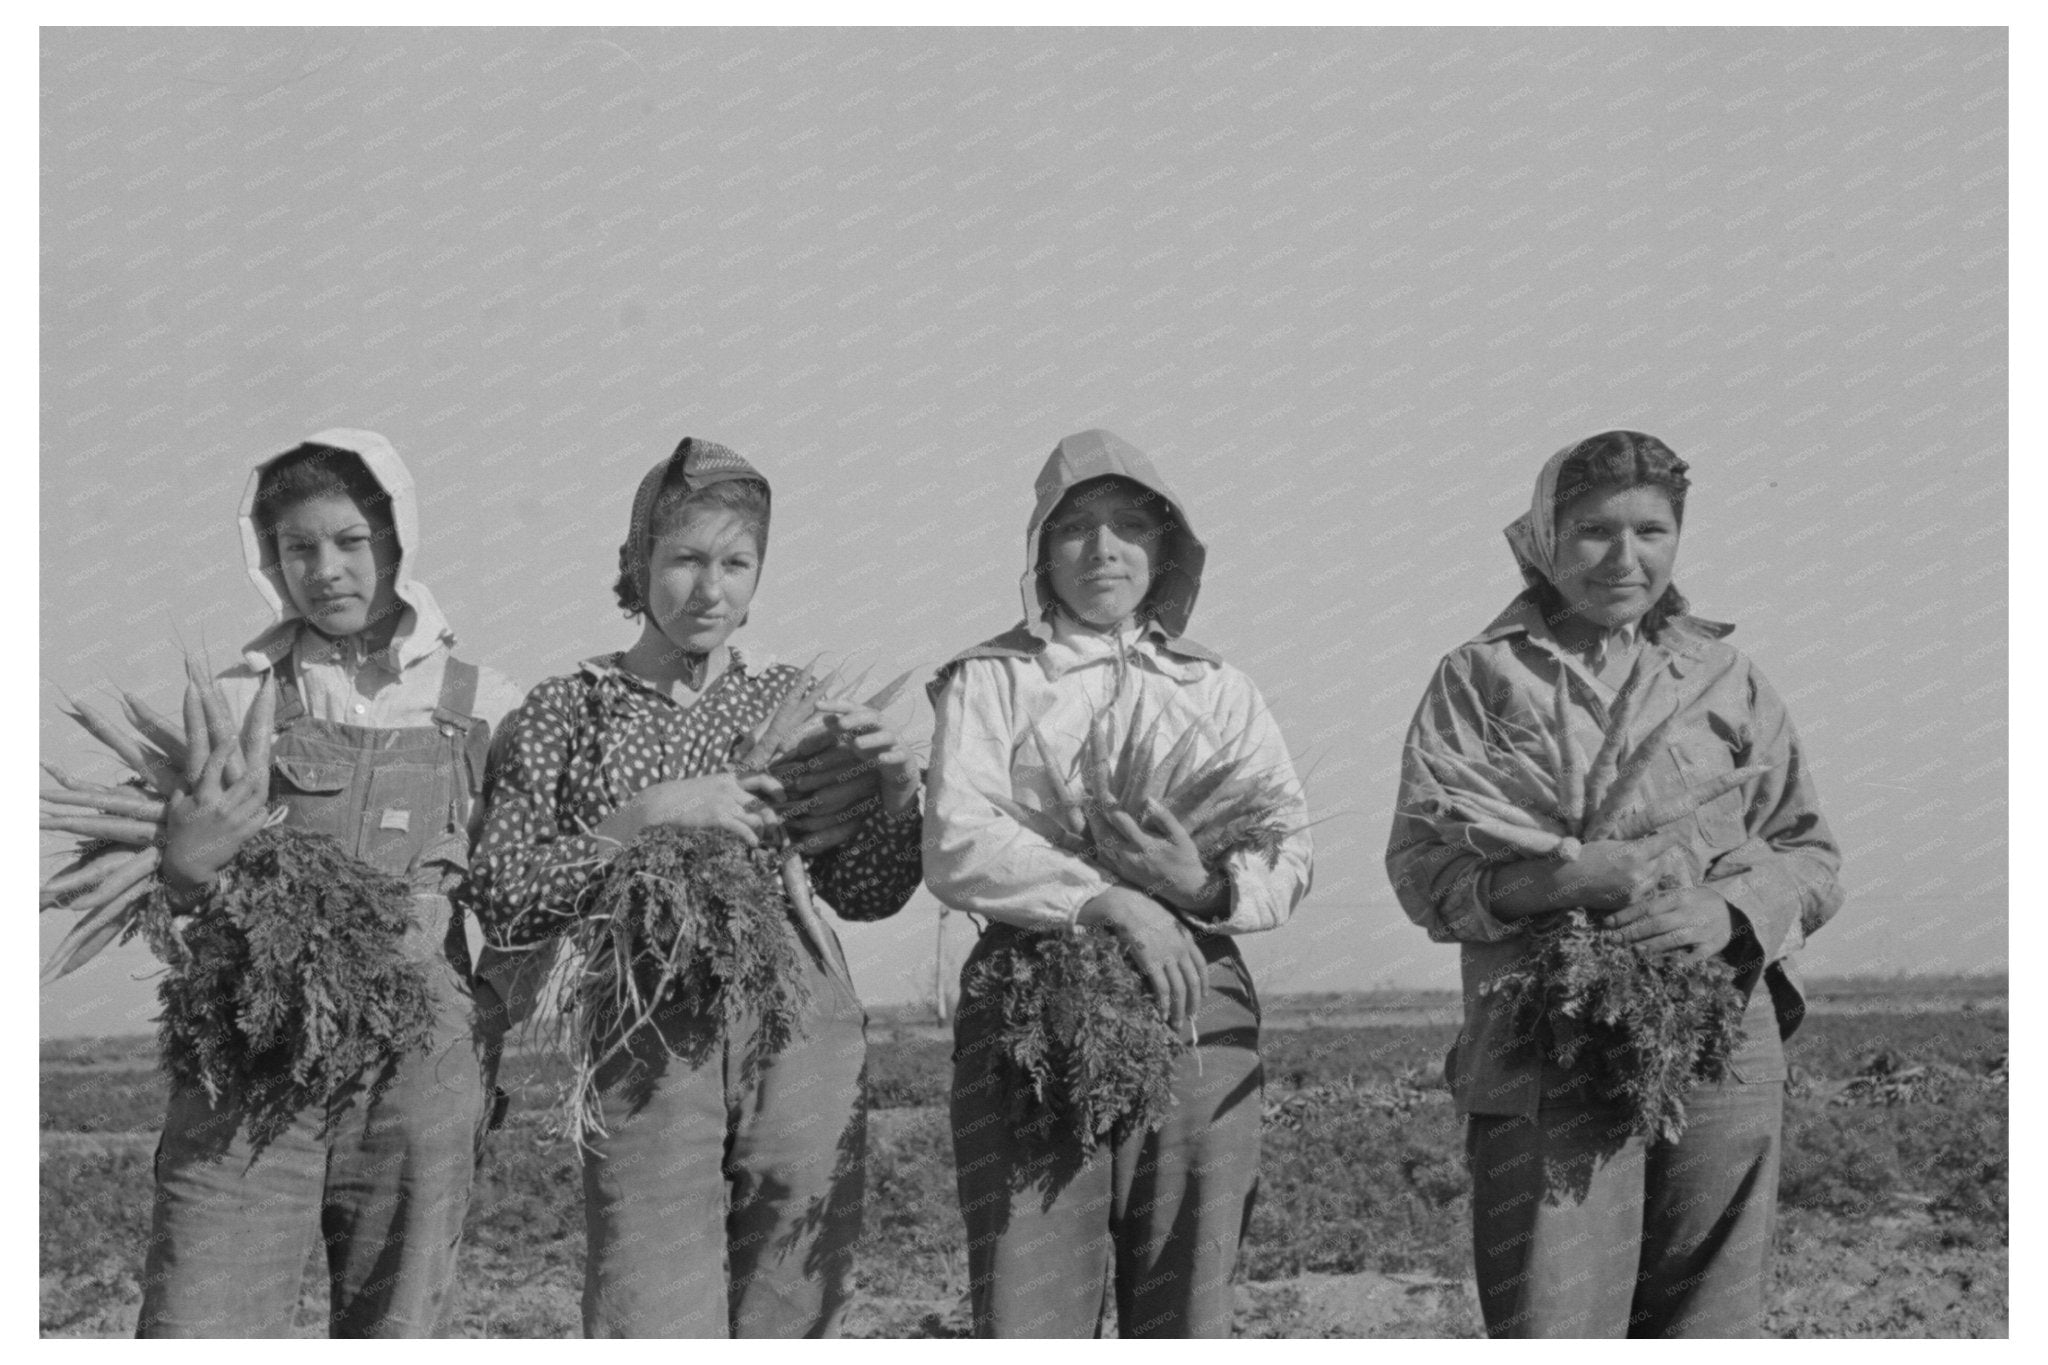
(748, 498)
(309, 471)
(1615, 460)
(1171, 533)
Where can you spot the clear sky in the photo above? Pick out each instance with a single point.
(1348, 287)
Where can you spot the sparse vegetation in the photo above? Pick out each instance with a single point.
(1894, 1211)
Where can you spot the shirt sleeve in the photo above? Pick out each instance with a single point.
(1263, 895)
(530, 870)
(977, 858)
(1783, 879)
(873, 874)
(1438, 876)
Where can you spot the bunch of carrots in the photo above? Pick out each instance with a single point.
(697, 918)
(1659, 1021)
(121, 828)
(1102, 1066)
(1223, 806)
(290, 980)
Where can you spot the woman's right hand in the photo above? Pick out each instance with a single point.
(205, 827)
(1609, 874)
(1165, 950)
(734, 802)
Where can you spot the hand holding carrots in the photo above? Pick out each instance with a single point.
(196, 796)
(1163, 948)
(823, 778)
(207, 826)
(737, 803)
(839, 768)
(1611, 873)
(860, 730)
(1691, 920)
(1158, 857)
(226, 793)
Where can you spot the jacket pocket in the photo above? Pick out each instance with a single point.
(1720, 821)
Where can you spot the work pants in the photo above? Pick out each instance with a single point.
(1156, 1218)
(725, 1196)
(1582, 1230)
(382, 1178)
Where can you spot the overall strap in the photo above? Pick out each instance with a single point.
(454, 715)
(291, 706)
(457, 703)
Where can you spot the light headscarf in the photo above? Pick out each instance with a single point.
(1533, 535)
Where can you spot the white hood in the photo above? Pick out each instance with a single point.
(421, 626)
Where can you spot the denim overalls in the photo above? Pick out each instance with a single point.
(387, 1183)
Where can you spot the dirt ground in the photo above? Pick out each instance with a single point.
(1893, 1208)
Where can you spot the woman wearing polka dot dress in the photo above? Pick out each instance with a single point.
(721, 1198)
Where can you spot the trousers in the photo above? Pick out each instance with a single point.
(724, 1197)
(385, 1187)
(1155, 1219)
(1581, 1229)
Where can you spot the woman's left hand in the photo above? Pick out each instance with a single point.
(835, 777)
(1691, 920)
(1161, 860)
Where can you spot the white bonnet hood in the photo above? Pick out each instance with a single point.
(1098, 454)
(421, 629)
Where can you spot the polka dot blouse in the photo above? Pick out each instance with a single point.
(584, 744)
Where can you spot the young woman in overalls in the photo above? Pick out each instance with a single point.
(1111, 572)
(381, 735)
(723, 1194)
(1582, 1227)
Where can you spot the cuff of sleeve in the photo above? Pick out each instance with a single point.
(1073, 904)
(1468, 911)
(180, 903)
(1241, 912)
(885, 823)
(879, 827)
(1059, 912)
(1770, 928)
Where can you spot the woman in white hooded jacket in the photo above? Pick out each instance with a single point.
(1112, 570)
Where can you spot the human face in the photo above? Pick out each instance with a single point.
(1615, 551)
(700, 577)
(1100, 547)
(339, 563)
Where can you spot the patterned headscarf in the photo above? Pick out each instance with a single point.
(695, 464)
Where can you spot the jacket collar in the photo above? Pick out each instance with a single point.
(1682, 635)
(1062, 649)
(422, 629)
